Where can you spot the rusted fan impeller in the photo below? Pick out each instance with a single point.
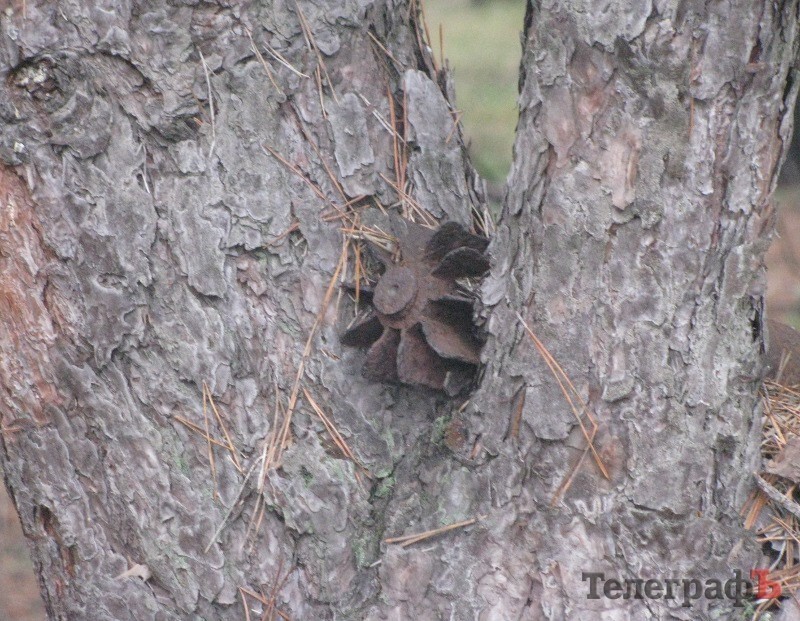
(419, 330)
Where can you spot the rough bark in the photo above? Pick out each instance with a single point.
(143, 253)
(638, 210)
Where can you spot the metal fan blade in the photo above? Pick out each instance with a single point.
(449, 341)
(462, 262)
(380, 364)
(364, 332)
(417, 363)
(448, 237)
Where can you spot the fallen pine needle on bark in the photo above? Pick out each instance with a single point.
(198, 429)
(244, 593)
(567, 387)
(236, 503)
(407, 540)
(284, 432)
(211, 461)
(210, 107)
(333, 432)
(230, 446)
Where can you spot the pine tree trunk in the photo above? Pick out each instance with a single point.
(173, 180)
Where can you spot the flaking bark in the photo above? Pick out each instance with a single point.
(149, 247)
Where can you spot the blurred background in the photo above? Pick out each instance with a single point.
(481, 39)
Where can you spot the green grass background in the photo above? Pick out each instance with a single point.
(482, 44)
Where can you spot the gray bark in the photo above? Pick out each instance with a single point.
(143, 253)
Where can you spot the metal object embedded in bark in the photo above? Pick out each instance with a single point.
(419, 327)
(395, 291)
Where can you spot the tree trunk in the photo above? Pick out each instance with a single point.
(171, 219)
(638, 211)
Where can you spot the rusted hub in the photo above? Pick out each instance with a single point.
(396, 289)
(420, 330)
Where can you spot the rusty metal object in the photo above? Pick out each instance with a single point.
(419, 328)
(395, 291)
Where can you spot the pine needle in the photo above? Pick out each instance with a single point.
(211, 461)
(271, 440)
(230, 446)
(334, 180)
(236, 503)
(407, 540)
(312, 44)
(334, 433)
(398, 64)
(320, 194)
(425, 218)
(210, 106)
(198, 429)
(277, 56)
(262, 61)
(283, 436)
(566, 386)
